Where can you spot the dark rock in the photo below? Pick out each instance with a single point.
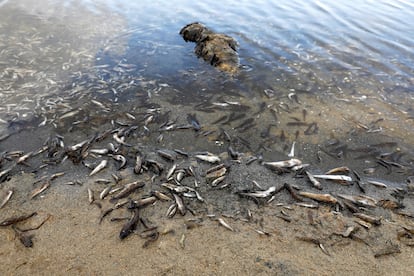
(217, 49)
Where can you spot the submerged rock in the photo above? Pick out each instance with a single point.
(217, 49)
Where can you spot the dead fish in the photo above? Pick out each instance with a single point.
(251, 159)
(218, 180)
(338, 170)
(261, 194)
(161, 196)
(100, 167)
(172, 210)
(349, 231)
(4, 174)
(344, 178)
(180, 204)
(105, 192)
(171, 171)
(56, 175)
(37, 191)
(69, 114)
(105, 213)
(389, 204)
(148, 119)
(217, 173)
(142, 202)
(225, 224)
(360, 200)
(180, 175)
(175, 188)
(138, 164)
(102, 181)
(6, 198)
(130, 226)
(215, 168)
(314, 181)
(182, 241)
(23, 158)
(90, 196)
(319, 197)
(121, 203)
(120, 140)
(364, 224)
(307, 205)
(199, 198)
(368, 218)
(208, 157)
(283, 164)
(77, 146)
(166, 154)
(377, 184)
(257, 184)
(128, 189)
(120, 158)
(292, 150)
(183, 153)
(99, 151)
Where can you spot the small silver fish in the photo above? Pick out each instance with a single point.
(368, 218)
(23, 158)
(90, 196)
(283, 164)
(6, 198)
(161, 196)
(180, 204)
(138, 164)
(319, 197)
(314, 181)
(100, 167)
(292, 151)
(218, 180)
(105, 192)
(261, 194)
(99, 151)
(37, 191)
(171, 171)
(377, 184)
(338, 170)
(334, 177)
(360, 200)
(172, 210)
(209, 157)
(225, 224)
(307, 205)
(216, 173)
(120, 158)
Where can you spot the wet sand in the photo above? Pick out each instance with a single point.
(278, 237)
(72, 242)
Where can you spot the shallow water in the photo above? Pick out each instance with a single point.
(334, 79)
(346, 68)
